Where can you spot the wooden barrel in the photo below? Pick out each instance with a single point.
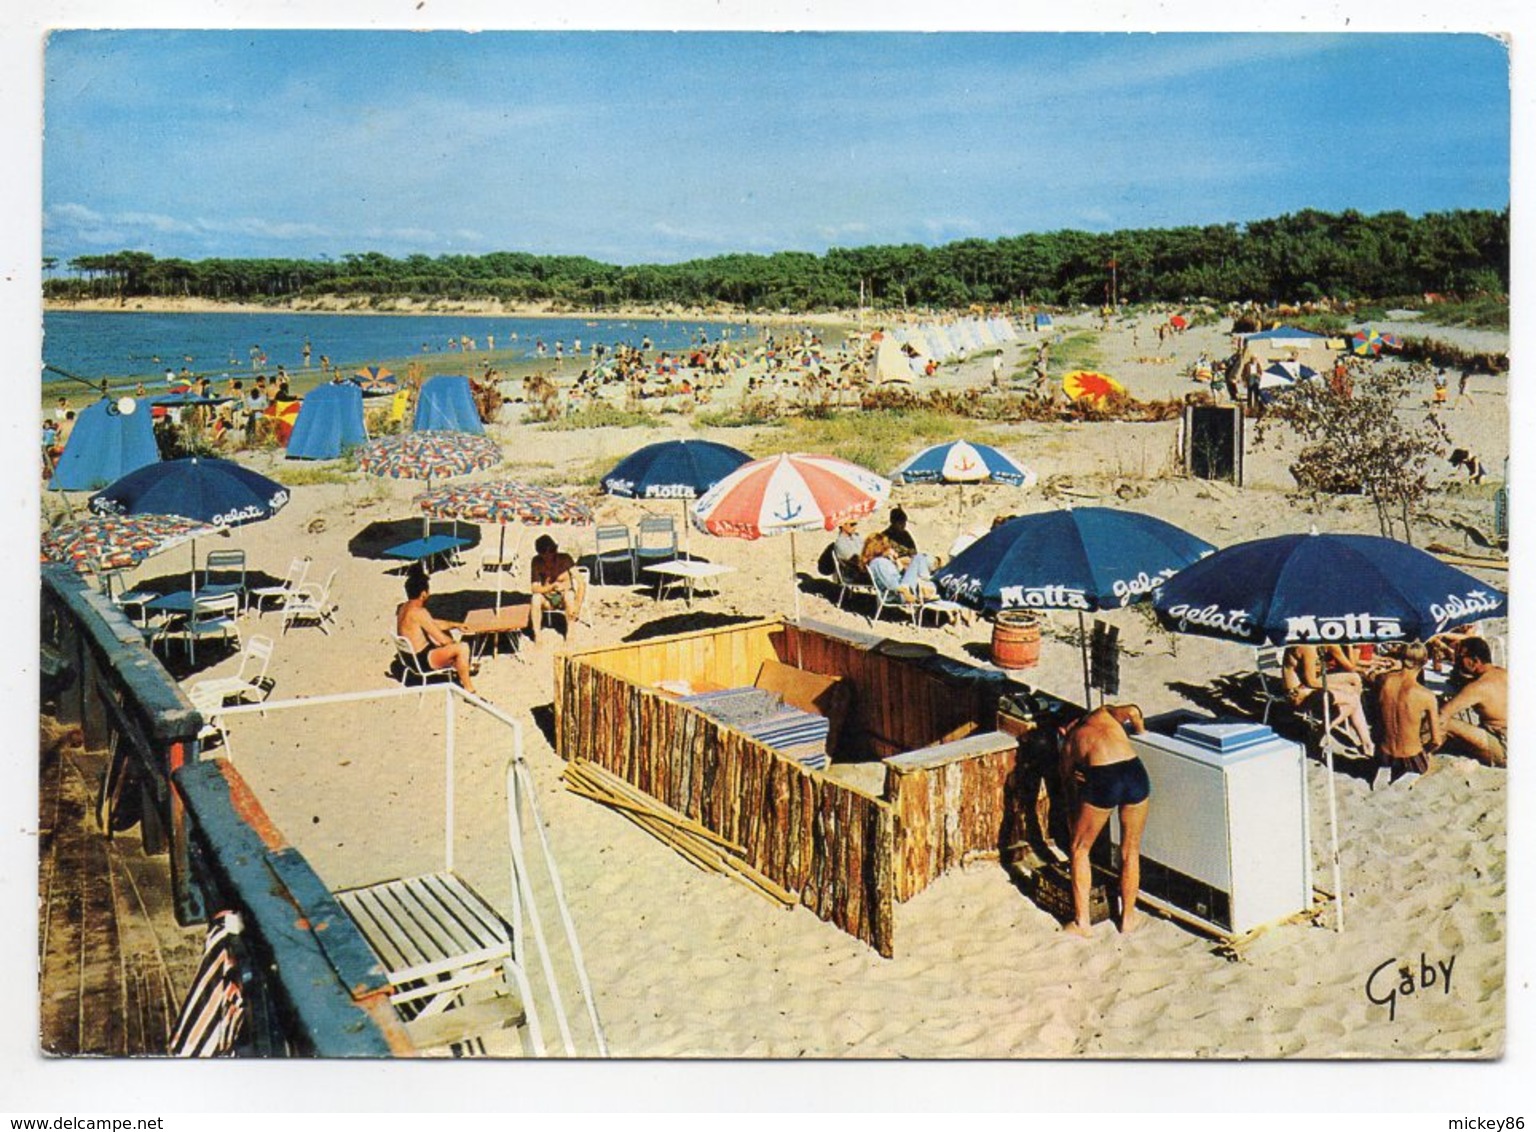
(1016, 639)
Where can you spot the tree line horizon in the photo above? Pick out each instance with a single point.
(1298, 257)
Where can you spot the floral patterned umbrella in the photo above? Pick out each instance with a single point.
(428, 455)
(113, 542)
(501, 502)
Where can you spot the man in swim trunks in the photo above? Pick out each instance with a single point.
(428, 636)
(1409, 717)
(1097, 753)
(553, 584)
(1486, 696)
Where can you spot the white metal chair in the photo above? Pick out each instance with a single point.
(211, 616)
(614, 545)
(298, 570)
(411, 668)
(847, 585)
(229, 567)
(310, 604)
(255, 656)
(209, 705)
(656, 540)
(1269, 662)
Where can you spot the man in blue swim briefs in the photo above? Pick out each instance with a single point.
(1097, 755)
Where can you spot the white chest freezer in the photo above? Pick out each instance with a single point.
(1227, 841)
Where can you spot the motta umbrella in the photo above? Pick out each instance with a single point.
(1082, 559)
(501, 502)
(376, 380)
(786, 494)
(114, 542)
(1091, 386)
(1319, 589)
(674, 469)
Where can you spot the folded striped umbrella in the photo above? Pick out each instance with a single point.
(214, 1010)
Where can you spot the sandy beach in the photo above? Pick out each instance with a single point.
(689, 964)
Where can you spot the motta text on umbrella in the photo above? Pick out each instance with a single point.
(1345, 627)
(1043, 597)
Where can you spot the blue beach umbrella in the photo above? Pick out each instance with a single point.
(961, 461)
(1323, 589)
(674, 469)
(1317, 589)
(1086, 558)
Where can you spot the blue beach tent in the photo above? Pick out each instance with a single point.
(447, 405)
(330, 419)
(1042, 320)
(106, 445)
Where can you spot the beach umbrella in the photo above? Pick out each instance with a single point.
(1323, 589)
(284, 415)
(674, 469)
(501, 502)
(961, 461)
(1178, 322)
(1366, 342)
(375, 381)
(218, 492)
(113, 542)
(1082, 559)
(1087, 385)
(428, 455)
(1277, 377)
(1391, 341)
(786, 494)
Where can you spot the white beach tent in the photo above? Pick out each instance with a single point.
(890, 363)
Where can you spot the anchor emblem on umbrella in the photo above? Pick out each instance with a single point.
(791, 509)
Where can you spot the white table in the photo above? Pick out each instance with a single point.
(684, 572)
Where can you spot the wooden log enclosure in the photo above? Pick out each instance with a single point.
(845, 854)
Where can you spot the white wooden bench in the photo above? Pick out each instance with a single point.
(437, 938)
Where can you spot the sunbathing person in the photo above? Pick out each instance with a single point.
(902, 584)
(1097, 754)
(553, 584)
(428, 636)
(1486, 697)
(1410, 718)
(1302, 671)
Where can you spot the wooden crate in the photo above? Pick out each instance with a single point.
(1052, 890)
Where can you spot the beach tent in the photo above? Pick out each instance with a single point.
(447, 405)
(330, 419)
(110, 439)
(1287, 343)
(1042, 320)
(889, 363)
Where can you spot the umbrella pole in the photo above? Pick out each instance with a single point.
(794, 575)
(1082, 632)
(1333, 807)
(685, 527)
(501, 562)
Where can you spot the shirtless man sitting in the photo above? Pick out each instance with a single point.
(553, 583)
(428, 636)
(1409, 716)
(1097, 754)
(1302, 671)
(1486, 695)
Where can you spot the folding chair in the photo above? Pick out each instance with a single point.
(310, 604)
(846, 585)
(614, 545)
(256, 655)
(211, 616)
(229, 567)
(583, 580)
(656, 540)
(298, 570)
(1270, 664)
(411, 667)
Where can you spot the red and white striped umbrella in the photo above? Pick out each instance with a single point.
(788, 493)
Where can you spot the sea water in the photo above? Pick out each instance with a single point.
(142, 345)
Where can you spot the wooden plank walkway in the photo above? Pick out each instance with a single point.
(113, 962)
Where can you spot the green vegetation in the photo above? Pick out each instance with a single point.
(879, 439)
(602, 416)
(291, 474)
(1076, 351)
(1303, 256)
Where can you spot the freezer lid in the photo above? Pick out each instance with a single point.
(1225, 738)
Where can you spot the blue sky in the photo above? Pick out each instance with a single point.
(660, 147)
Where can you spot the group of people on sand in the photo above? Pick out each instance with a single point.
(1380, 694)
(555, 585)
(1100, 766)
(888, 560)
